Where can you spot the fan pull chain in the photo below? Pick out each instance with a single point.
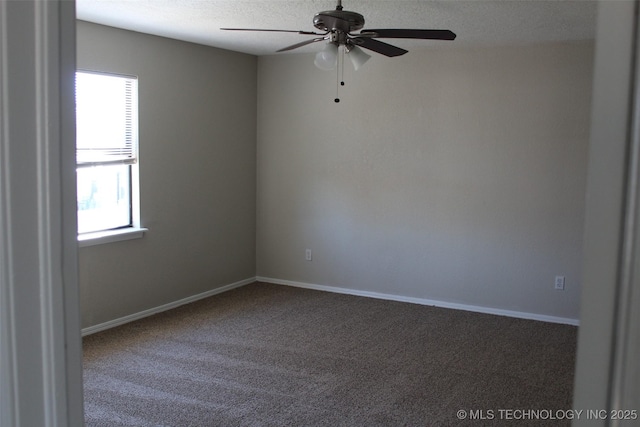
(337, 79)
(342, 66)
(339, 73)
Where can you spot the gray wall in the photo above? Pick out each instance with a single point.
(197, 174)
(449, 174)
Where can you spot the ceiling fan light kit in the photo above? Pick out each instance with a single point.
(339, 26)
(327, 58)
(358, 57)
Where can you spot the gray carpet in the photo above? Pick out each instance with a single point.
(269, 355)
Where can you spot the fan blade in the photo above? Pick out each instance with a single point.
(304, 43)
(378, 46)
(311, 33)
(410, 34)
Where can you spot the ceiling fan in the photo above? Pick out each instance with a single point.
(338, 26)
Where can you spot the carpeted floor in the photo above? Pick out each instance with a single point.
(270, 355)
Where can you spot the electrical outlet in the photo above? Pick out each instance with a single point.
(559, 283)
(307, 255)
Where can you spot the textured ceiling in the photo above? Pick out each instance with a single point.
(476, 22)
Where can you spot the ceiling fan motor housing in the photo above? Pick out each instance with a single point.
(338, 20)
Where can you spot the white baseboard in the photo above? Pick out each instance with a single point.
(423, 301)
(146, 313)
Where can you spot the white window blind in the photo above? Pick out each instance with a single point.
(106, 122)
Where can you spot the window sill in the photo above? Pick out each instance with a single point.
(103, 237)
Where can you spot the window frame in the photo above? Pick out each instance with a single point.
(134, 230)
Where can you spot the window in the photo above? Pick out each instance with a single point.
(106, 153)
